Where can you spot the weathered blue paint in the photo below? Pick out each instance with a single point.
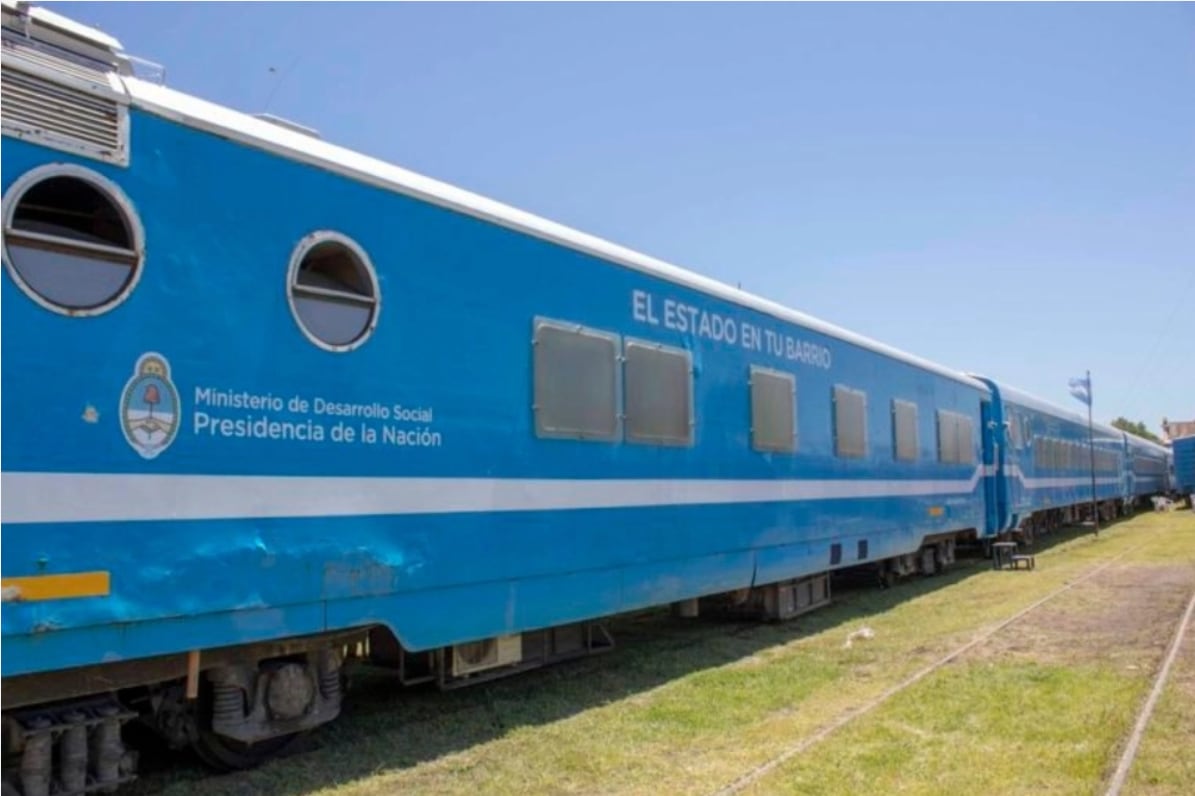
(1184, 465)
(458, 298)
(1148, 466)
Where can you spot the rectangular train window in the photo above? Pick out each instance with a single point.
(955, 438)
(966, 448)
(773, 410)
(576, 382)
(659, 394)
(850, 422)
(947, 437)
(904, 429)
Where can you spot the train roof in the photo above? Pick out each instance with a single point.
(1142, 442)
(1016, 396)
(302, 144)
(1013, 395)
(46, 18)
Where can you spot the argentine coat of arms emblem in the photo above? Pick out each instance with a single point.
(149, 406)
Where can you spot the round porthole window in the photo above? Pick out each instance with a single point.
(71, 240)
(333, 291)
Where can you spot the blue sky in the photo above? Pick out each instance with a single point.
(1003, 188)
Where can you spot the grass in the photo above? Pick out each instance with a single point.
(987, 728)
(1164, 762)
(689, 706)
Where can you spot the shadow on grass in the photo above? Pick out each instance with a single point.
(385, 727)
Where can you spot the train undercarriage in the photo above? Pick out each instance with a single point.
(1041, 523)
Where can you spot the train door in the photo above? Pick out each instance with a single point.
(995, 495)
(1128, 487)
(1017, 465)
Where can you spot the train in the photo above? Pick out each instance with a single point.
(1183, 464)
(275, 408)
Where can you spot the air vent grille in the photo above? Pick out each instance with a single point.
(63, 117)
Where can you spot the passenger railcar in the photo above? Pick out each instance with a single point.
(1183, 460)
(1049, 461)
(273, 406)
(1148, 467)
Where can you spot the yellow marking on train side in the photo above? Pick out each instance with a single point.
(936, 511)
(56, 587)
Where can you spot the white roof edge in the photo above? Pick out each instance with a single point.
(243, 127)
(54, 20)
(1019, 396)
(1149, 443)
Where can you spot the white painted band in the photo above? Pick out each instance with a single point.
(94, 497)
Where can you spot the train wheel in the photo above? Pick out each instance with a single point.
(226, 754)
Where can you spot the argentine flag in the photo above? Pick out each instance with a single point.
(1081, 389)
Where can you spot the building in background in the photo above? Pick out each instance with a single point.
(1175, 429)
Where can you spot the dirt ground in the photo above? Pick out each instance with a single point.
(1125, 615)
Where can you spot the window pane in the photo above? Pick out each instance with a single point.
(659, 399)
(333, 290)
(849, 422)
(575, 383)
(773, 410)
(966, 453)
(948, 451)
(904, 423)
(75, 280)
(72, 244)
(334, 322)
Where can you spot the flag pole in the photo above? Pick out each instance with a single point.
(1095, 517)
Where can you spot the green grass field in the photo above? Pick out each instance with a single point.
(690, 706)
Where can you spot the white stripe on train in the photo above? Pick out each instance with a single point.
(92, 497)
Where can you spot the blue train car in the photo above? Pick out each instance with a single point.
(1183, 460)
(1148, 467)
(272, 404)
(1047, 461)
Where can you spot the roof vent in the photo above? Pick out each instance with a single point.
(56, 33)
(60, 85)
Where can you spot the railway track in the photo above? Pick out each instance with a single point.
(1146, 713)
(758, 772)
